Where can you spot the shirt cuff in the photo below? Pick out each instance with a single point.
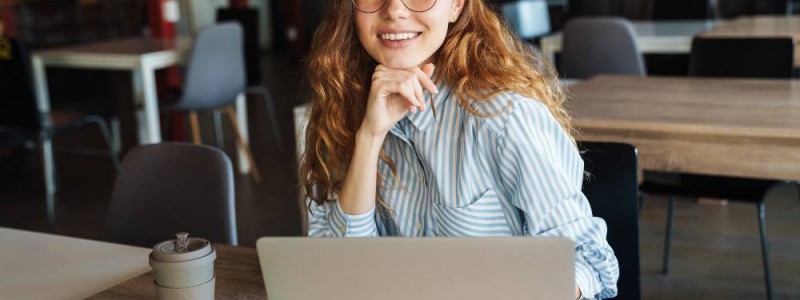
(347, 225)
(585, 279)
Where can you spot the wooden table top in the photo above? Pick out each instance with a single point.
(735, 107)
(758, 26)
(238, 276)
(126, 46)
(736, 127)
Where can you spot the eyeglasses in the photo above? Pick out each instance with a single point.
(371, 6)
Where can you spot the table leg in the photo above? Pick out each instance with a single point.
(42, 94)
(241, 118)
(45, 143)
(144, 86)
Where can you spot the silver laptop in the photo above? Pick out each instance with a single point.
(298, 268)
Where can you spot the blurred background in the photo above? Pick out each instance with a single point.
(277, 35)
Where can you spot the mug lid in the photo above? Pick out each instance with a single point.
(182, 248)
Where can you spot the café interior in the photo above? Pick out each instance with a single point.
(102, 104)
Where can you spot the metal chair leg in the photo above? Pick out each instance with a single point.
(116, 135)
(762, 226)
(668, 236)
(270, 106)
(641, 202)
(219, 140)
(107, 136)
(49, 172)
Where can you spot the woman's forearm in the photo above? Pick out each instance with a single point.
(358, 193)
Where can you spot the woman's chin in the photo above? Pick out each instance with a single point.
(401, 64)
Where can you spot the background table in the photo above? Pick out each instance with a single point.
(44, 266)
(731, 127)
(664, 37)
(238, 276)
(142, 57)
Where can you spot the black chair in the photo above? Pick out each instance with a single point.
(724, 57)
(612, 189)
(167, 188)
(681, 9)
(19, 112)
(742, 57)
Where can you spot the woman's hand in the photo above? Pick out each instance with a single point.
(394, 93)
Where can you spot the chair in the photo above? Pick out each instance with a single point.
(742, 57)
(682, 9)
(167, 188)
(612, 190)
(762, 58)
(215, 76)
(595, 46)
(19, 112)
(248, 18)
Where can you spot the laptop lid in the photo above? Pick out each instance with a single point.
(417, 268)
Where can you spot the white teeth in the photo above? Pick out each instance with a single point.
(398, 36)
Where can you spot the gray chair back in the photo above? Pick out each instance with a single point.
(215, 72)
(167, 188)
(595, 46)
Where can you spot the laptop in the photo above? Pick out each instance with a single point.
(389, 268)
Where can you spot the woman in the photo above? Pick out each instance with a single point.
(481, 146)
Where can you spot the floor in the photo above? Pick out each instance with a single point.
(716, 252)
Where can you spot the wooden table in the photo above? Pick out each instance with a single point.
(238, 277)
(140, 56)
(44, 266)
(760, 26)
(652, 37)
(731, 127)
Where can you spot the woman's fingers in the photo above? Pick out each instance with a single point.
(419, 93)
(410, 84)
(407, 92)
(424, 76)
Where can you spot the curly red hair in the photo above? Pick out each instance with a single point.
(480, 57)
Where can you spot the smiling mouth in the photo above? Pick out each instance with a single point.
(398, 36)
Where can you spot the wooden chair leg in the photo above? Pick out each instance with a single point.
(240, 139)
(195, 127)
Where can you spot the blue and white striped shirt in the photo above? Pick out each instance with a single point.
(513, 173)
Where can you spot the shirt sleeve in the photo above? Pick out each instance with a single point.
(541, 172)
(329, 220)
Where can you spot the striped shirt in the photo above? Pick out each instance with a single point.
(515, 172)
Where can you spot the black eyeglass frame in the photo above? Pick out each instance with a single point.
(384, 4)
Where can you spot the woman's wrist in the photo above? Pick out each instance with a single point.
(368, 137)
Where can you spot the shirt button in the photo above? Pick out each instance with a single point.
(343, 228)
(419, 226)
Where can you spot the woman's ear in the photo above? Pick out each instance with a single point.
(455, 9)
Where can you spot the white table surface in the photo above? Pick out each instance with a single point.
(651, 37)
(142, 57)
(44, 266)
